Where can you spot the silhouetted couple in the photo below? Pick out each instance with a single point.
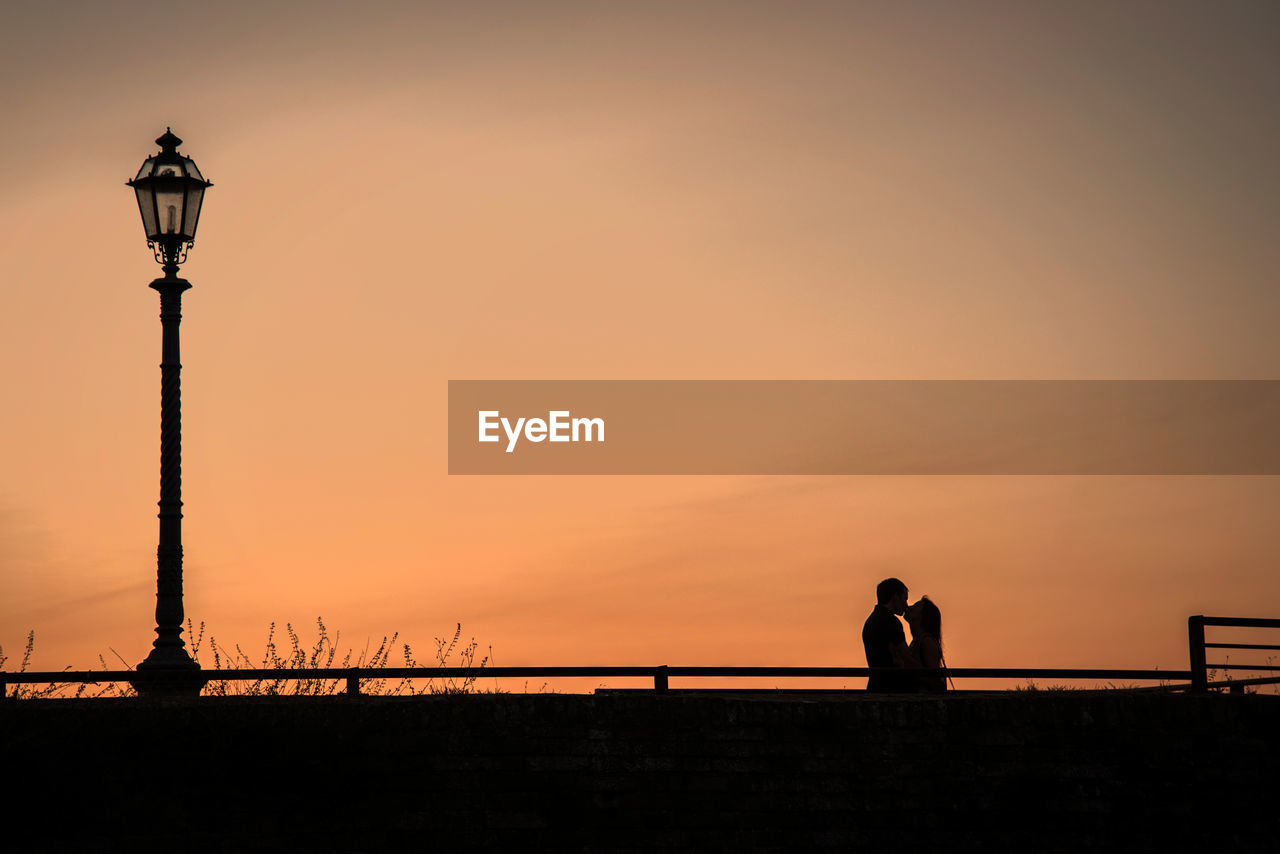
(886, 643)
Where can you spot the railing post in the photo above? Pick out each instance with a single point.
(660, 679)
(353, 685)
(1195, 642)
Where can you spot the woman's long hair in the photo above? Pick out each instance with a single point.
(931, 623)
(931, 619)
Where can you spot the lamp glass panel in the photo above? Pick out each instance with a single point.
(169, 206)
(195, 195)
(146, 204)
(146, 168)
(169, 169)
(191, 168)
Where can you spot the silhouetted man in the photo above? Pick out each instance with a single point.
(883, 639)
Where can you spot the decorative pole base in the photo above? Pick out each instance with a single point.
(158, 682)
(168, 658)
(169, 672)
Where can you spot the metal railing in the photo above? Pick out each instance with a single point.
(660, 674)
(1200, 665)
(1196, 678)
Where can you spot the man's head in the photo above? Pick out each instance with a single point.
(892, 594)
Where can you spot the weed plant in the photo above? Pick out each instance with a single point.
(323, 653)
(62, 690)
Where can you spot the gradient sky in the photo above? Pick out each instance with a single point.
(407, 193)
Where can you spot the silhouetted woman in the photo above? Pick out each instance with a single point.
(925, 621)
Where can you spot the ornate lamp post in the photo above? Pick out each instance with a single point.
(170, 190)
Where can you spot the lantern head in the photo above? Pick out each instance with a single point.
(170, 190)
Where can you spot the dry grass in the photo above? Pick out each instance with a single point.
(324, 652)
(63, 690)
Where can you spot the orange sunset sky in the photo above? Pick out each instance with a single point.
(407, 193)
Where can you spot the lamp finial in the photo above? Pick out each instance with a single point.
(168, 142)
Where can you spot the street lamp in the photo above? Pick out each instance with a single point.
(170, 190)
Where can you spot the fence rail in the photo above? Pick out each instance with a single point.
(1200, 666)
(660, 674)
(1196, 678)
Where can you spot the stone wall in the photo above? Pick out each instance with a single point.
(1034, 771)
